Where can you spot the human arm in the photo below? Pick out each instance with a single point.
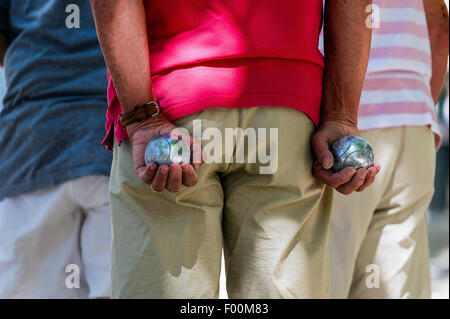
(347, 46)
(122, 32)
(4, 43)
(437, 21)
(4, 37)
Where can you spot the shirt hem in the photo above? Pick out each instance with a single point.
(430, 124)
(177, 111)
(48, 180)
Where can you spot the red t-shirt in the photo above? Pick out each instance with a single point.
(230, 53)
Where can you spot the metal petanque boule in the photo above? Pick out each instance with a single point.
(352, 151)
(167, 150)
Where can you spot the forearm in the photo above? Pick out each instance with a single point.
(122, 32)
(347, 47)
(4, 43)
(438, 31)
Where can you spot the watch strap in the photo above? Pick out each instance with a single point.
(140, 113)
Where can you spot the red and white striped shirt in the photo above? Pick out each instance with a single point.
(397, 90)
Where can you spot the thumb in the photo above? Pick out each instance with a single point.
(321, 149)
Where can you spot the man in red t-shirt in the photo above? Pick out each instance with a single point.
(235, 74)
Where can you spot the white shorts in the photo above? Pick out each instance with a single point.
(55, 243)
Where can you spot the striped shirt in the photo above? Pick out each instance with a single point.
(396, 89)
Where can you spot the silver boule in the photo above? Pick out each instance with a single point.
(352, 151)
(166, 150)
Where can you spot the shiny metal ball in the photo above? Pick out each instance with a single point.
(166, 150)
(352, 151)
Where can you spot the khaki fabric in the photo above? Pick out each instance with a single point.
(382, 231)
(273, 228)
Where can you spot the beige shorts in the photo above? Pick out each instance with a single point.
(273, 227)
(378, 241)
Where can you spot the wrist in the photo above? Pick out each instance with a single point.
(341, 107)
(343, 125)
(342, 119)
(152, 122)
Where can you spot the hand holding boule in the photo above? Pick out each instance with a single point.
(347, 179)
(160, 177)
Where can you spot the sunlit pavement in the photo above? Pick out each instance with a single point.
(438, 230)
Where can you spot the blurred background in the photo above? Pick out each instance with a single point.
(438, 212)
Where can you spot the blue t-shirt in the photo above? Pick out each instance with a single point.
(2, 87)
(53, 113)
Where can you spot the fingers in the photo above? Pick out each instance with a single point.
(147, 173)
(331, 178)
(356, 182)
(320, 146)
(373, 171)
(198, 155)
(190, 178)
(347, 180)
(170, 178)
(160, 180)
(174, 179)
(144, 172)
(362, 179)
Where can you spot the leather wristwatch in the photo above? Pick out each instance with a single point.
(140, 113)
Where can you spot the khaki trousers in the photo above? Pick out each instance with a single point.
(273, 227)
(378, 241)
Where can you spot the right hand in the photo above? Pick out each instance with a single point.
(349, 179)
(161, 177)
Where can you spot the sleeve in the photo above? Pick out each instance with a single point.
(4, 14)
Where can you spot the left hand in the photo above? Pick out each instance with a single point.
(162, 177)
(349, 179)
